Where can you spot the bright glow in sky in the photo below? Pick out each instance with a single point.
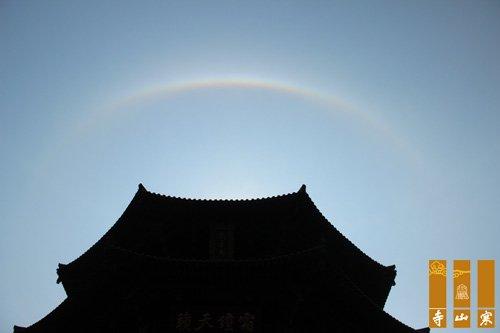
(388, 111)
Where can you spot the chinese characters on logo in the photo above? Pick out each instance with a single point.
(462, 289)
(438, 317)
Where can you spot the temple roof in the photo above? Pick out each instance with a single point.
(145, 275)
(178, 228)
(284, 250)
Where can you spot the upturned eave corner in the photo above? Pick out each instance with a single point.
(60, 272)
(19, 329)
(392, 272)
(141, 188)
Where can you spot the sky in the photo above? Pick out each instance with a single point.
(388, 111)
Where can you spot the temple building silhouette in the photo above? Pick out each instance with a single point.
(272, 265)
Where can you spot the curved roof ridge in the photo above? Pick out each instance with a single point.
(369, 301)
(186, 199)
(331, 226)
(142, 190)
(49, 316)
(382, 311)
(96, 244)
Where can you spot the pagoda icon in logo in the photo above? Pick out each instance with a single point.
(462, 292)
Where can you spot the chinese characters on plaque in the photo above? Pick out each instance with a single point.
(215, 322)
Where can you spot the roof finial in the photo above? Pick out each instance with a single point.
(302, 189)
(142, 188)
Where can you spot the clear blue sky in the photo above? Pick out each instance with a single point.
(426, 187)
